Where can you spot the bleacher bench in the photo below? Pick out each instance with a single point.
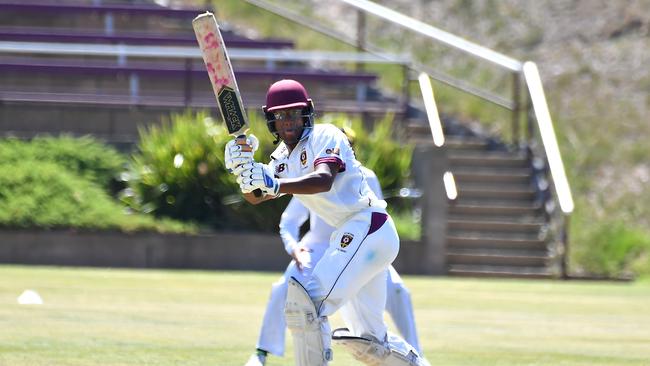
(47, 34)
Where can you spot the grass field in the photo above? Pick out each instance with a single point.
(154, 317)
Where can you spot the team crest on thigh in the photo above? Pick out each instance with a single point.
(303, 158)
(346, 239)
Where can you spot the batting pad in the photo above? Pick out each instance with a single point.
(305, 326)
(373, 353)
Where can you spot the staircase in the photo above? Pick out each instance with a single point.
(496, 225)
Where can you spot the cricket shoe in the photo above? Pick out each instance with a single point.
(423, 361)
(256, 360)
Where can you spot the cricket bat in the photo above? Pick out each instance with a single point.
(222, 78)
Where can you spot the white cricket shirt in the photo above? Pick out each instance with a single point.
(350, 192)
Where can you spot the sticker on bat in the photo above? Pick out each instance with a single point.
(231, 110)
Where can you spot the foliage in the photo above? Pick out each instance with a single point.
(409, 225)
(610, 247)
(179, 172)
(44, 194)
(83, 156)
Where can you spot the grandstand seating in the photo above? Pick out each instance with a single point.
(138, 90)
(63, 35)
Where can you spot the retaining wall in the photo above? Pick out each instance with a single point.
(219, 251)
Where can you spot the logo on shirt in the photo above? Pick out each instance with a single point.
(346, 239)
(280, 168)
(335, 151)
(303, 158)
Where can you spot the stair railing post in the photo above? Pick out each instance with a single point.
(433, 259)
(516, 108)
(530, 120)
(361, 36)
(564, 270)
(406, 91)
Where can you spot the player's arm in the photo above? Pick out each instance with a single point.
(293, 217)
(259, 176)
(320, 180)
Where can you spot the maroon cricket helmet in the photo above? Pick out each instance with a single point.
(286, 94)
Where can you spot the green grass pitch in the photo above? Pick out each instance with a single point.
(159, 317)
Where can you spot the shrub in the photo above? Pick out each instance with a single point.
(44, 194)
(84, 156)
(179, 172)
(612, 249)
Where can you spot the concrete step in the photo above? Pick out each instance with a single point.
(534, 217)
(465, 143)
(419, 132)
(495, 235)
(498, 257)
(494, 226)
(460, 241)
(487, 210)
(489, 170)
(522, 176)
(487, 159)
(466, 270)
(494, 186)
(492, 201)
(496, 193)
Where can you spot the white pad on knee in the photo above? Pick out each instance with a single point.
(305, 326)
(374, 353)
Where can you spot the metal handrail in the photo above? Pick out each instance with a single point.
(180, 52)
(368, 47)
(437, 34)
(549, 140)
(432, 110)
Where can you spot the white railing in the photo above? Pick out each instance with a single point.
(436, 34)
(432, 109)
(547, 133)
(178, 52)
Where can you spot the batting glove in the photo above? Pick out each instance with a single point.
(239, 152)
(258, 176)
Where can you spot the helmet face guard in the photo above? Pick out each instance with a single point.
(306, 114)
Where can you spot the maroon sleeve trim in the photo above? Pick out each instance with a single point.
(331, 159)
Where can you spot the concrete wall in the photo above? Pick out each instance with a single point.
(230, 251)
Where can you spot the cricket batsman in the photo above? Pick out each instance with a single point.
(306, 252)
(316, 164)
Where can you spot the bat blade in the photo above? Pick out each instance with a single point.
(222, 77)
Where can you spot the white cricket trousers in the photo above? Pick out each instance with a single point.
(351, 275)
